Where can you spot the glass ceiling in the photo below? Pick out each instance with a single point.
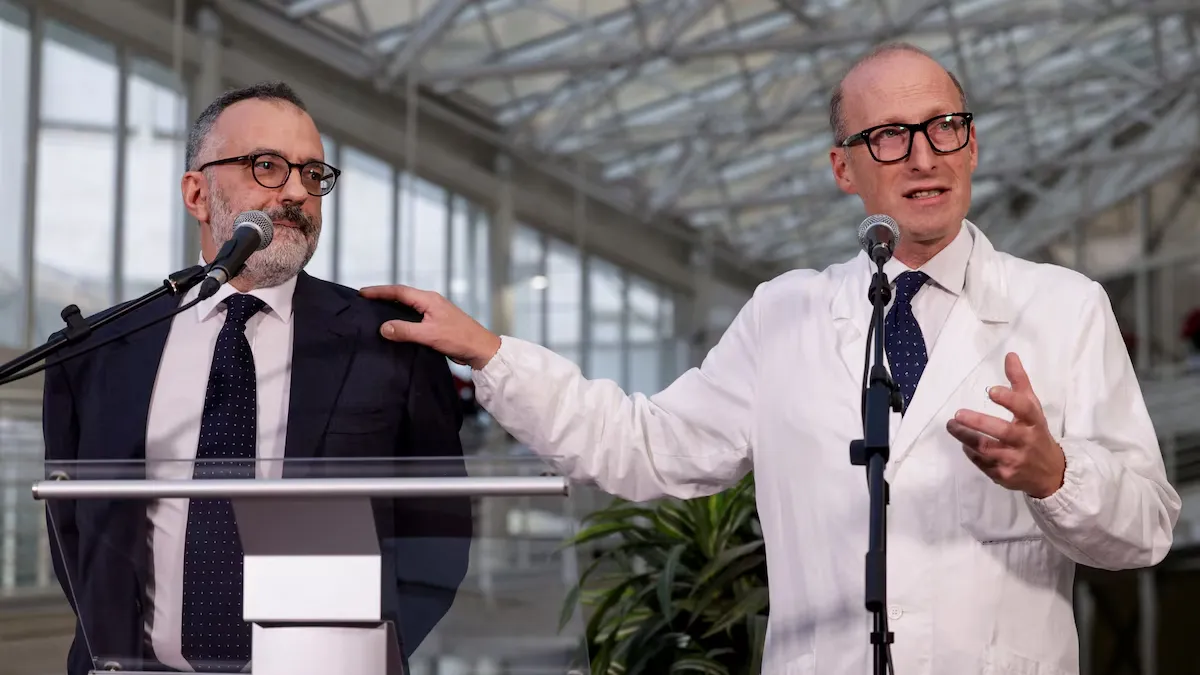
(715, 112)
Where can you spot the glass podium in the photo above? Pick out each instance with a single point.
(348, 566)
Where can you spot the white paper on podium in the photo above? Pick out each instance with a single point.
(310, 560)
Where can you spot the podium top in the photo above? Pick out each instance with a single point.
(475, 476)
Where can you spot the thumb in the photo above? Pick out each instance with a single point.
(1016, 374)
(401, 331)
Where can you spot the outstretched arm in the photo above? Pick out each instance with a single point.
(690, 440)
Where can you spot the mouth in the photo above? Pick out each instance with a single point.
(924, 194)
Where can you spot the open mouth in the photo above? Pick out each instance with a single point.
(925, 194)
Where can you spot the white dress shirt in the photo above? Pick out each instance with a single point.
(947, 273)
(979, 576)
(173, 433)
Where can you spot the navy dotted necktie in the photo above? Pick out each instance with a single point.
(903, 339)
(215, 638)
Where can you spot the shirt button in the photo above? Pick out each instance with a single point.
(894, 612)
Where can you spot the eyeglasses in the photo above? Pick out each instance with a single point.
(272, 171)
(893, 142)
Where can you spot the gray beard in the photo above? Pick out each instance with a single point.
(288, 253)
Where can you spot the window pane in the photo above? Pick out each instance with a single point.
(604, 363)
(365, 240)
(527, 284)
(461, 239)
(481, 280)
(565, 285)
(643, 312)
(645, 369)
(607, 301)
(321, 264)
(152, 215)
(75, 186)
(14, 130)
(666, 315)
(425, 230)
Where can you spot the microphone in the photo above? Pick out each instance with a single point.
(252, 231)
(879, 235)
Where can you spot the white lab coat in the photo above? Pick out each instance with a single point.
(979, 577)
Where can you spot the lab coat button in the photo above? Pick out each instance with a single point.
(894, 612)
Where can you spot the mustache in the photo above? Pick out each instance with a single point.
(292, 213)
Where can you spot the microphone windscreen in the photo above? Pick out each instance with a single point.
(260, 221)
(868, 235)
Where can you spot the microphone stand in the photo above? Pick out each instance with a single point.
(79, 328)
(881, 398)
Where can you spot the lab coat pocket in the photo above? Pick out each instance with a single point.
(991, 513)
(1000, 661)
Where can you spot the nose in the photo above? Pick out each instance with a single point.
(293, 190)
(923, 157)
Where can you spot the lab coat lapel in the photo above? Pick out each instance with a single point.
(851, 310)
(979, 320)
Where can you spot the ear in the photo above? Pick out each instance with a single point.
(842, 172)
(194, 187)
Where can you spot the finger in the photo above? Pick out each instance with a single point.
(413, 297)
(1001, 430)
(404, 331)
(970, 439)
(1016, 374)
(1022, 406)
(985, 462)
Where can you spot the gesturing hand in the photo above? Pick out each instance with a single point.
(1021, 454)
(444, 328)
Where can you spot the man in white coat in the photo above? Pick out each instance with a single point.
(1025, 449)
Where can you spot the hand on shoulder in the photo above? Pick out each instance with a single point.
(436, 323)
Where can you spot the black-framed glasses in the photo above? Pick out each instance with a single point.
(272, 171)
(893, 142)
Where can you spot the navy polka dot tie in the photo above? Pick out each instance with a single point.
(215, 638)
(903, 339)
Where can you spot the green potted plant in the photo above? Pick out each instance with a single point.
(675, 586)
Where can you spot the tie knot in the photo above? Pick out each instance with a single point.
(908, 284)
(239, 308)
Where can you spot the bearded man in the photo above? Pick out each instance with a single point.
(277, 365)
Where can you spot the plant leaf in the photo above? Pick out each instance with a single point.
(748, 605)
(666, 581)
(698, 664)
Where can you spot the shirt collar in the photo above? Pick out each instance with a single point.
(277, 298)
(947, 269)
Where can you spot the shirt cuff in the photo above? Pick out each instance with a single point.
(497, 368)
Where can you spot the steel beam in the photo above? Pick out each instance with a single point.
(809, 41)
(432, 25)
(300, 9)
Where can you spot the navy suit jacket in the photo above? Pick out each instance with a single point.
(353, 395)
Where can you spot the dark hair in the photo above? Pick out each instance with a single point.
(263, 91)
(837, 124)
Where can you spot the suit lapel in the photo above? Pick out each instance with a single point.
(130, 372)
(323, 347)
(978, 322)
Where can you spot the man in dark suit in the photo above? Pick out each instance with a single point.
(277, 365)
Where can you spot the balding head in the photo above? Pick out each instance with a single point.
(885, 52)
